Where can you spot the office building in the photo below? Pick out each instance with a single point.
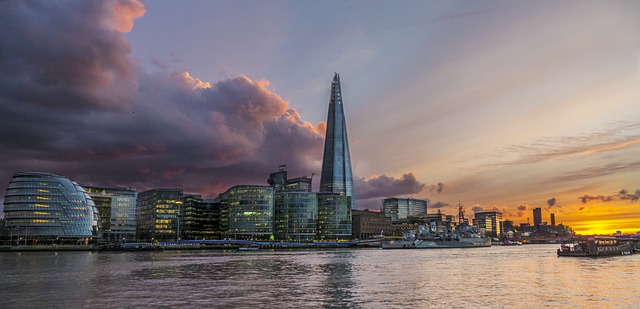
(248, 212)
(334, 217)
(44, 206)
(403, 208)
(490, 222)
(158, 212)
(296, 216)
(369, 224)
(537, 217)
(117, 209)
(336, 174)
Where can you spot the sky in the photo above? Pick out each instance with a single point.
(496, 105)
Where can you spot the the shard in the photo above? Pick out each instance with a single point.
(336, 164)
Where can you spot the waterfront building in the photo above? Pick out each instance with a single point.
(490, 222)
(296, 216)
(199, 218)
(336, 174)
(117, 209)
(158, 212)
(41, 206)
(248, 212)
(334, 217)
(403, 208)
(368, 224)
(553, 219)
(537, 217)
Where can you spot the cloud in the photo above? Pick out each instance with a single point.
(621, 195)
(552, 201)
(477, 209)
(439, 204)
(522, 207)
(438, 188)
(386, 186)
(72, 101)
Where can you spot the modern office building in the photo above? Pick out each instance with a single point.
(490, 222)
(117, 209)
(248, 212)
(158, 212)
(334, 217)
(369, 224)
(537, 217)
(336, 174)
(553, 219)
(40, 206)
(296, 216)
(200, 218)
(403, 208)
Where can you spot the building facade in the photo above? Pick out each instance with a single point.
(403, 208)
(334, 217)
(40, 206)
(296, 216)
(117, 209)
(537, 217)
(490, 222)
(249, 212)
(158, 212)
(336, 174)
(369, 224)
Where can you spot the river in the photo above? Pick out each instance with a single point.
(496, 277)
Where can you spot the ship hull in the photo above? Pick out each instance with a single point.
(436, 244)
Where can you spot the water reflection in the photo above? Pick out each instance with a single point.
(489, 277)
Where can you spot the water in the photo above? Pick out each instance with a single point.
(496, 277)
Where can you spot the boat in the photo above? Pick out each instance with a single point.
(130, 247)
(597, 246)
(426, 237)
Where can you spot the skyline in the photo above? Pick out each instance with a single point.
(498, 105)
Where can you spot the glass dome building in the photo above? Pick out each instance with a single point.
(40, 205)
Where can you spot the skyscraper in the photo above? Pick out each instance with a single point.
(336, 163)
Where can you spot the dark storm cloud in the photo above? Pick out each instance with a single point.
(552, 201)
(621, 195)
(386, 186)
(74, 103)
(522, 207)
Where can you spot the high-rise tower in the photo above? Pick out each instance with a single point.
(336, 164)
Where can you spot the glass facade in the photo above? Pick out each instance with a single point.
(249, 212)
(117, 208)
(39, 205)
(334, 217)
(403, 208)
(157, 218)
(336, 174)
(489, 222)
(296, 216)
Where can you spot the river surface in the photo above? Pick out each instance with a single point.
(497, 277)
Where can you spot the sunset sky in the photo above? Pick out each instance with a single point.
(498, 105)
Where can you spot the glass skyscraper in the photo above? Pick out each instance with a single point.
(336, 174)
(117, 208)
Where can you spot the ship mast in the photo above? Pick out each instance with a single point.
(460, 213)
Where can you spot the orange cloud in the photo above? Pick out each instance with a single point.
(124, 13)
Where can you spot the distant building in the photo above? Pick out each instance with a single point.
(199, 218)
(490, 222)
(336, 174)
(553, 219)
(537, 217)
(367, 224)
(40, 206)
(117, 208)
(403, 208)
(334, 217)
(158, 212)
(248, 212)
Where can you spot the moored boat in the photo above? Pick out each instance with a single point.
(597, 246)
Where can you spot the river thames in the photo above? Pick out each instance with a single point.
(496, 277)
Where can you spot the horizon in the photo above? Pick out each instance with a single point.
(502, 106)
